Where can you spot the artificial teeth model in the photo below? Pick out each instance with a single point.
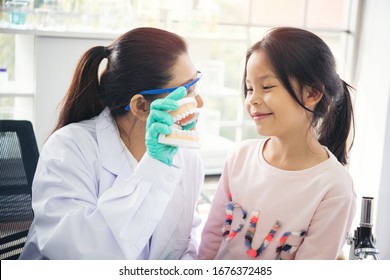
(186, 114)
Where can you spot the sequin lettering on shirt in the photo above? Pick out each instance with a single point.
(283, 246)
(230, 233)
(227, 230)
(251, 232)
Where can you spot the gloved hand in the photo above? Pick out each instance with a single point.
(160, 121)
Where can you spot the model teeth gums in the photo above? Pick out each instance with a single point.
(186, 114)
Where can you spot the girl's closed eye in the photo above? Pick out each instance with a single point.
(267, 87)
(249, 91)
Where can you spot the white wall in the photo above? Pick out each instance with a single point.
(370, 163)
(55, 60)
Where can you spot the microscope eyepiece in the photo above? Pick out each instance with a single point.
(366, 212)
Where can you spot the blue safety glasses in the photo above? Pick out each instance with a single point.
(190, 87)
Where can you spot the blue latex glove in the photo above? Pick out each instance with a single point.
(160, 121)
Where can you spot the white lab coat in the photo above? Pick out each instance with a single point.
(90, 204)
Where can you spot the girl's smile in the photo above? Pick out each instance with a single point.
(257, 116)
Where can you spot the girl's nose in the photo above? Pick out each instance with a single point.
(254, 98)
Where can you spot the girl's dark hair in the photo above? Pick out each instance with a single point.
(299, 55)
(140, 59)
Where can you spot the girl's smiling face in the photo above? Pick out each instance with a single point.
(269, 104)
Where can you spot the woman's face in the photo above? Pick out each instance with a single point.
(184, 72)
(269, 104)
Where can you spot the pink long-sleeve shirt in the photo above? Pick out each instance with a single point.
(262, 212)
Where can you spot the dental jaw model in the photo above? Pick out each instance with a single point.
(186, 114)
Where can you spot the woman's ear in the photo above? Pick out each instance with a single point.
(311, 96)
(139, 106)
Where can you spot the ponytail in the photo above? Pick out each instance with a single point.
(337, 123)
(83, 99)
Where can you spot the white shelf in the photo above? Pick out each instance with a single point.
(12, 89)
(60, 33)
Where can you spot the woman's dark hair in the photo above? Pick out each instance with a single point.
(301, 56)
(140, 59)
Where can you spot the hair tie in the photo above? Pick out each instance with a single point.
(106, 52)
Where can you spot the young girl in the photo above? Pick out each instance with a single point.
(287, 196)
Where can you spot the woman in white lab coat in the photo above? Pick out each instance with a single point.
(101, 191)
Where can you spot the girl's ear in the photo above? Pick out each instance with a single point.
(139, 106)
(311, 96)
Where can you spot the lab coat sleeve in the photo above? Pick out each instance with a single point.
(198, 180)
(74, 221)
(191, 252)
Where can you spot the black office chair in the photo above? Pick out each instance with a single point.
(18, 160)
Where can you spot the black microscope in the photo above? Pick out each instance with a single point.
(363, 242)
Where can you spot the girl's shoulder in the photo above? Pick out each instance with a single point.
(246, 146)
(245, 151)
(339, 176)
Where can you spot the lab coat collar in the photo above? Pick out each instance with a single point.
(113, 159)
(162, 246)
